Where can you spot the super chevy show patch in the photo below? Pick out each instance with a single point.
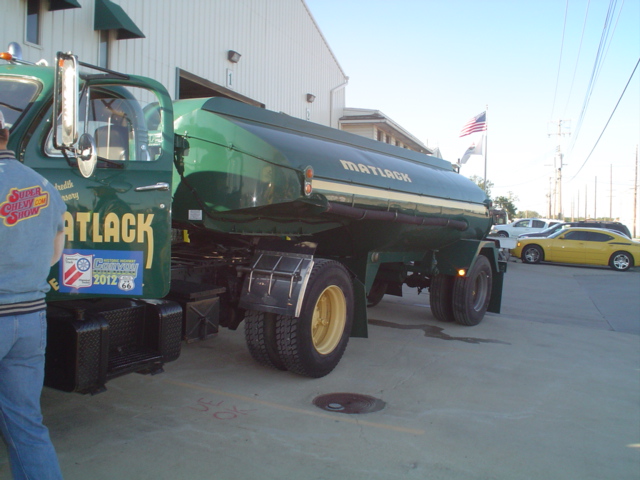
(23, 203)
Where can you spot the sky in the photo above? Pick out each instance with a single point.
(539, 68)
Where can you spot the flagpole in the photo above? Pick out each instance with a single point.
(486, 135)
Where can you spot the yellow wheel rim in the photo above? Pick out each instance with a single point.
(329, 320)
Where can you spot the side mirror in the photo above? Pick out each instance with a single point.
(65, 101)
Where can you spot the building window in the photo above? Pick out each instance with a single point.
(33, 22)
(380, 136)
(103, 49)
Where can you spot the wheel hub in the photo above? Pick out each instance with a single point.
(329, 319)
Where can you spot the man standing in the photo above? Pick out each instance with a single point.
(31, 238)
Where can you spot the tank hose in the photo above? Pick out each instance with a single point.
(365, 214)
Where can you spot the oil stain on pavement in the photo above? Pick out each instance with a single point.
(434, 332)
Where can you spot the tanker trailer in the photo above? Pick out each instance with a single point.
(332, 221)
(183, 217)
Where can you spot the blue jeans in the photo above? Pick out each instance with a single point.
(23, 340)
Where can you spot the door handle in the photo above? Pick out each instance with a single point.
(162, 186)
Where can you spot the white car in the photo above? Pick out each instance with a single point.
(519, 227)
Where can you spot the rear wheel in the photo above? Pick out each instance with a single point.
(471, 294)
(260, 336)
(532, 254)
(621, 261)
(440, 295)
(314, 343)
(378, 289)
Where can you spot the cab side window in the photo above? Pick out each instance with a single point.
(125, 123)
(537, 224)
(522, 224)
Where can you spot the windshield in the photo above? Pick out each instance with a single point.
(16, 95)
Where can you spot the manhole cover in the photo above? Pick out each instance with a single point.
(348, 403)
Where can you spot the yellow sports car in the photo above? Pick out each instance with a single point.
(587, 246)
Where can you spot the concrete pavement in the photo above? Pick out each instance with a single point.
(549, 389)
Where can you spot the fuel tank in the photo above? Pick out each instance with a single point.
(250, 171)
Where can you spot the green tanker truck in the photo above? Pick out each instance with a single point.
(184, 217)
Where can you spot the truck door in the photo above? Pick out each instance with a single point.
(117, 225)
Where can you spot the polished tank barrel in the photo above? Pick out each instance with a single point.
(245, 170)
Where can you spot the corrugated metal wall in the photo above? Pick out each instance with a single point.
(284, 55)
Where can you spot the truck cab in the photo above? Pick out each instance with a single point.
(113, 168)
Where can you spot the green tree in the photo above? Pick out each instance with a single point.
(507, 203)
(480, 182)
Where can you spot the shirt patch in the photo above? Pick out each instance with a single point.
(23, 203)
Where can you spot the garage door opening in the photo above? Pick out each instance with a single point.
(193, 86)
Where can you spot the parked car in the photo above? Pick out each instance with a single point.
(588, 246)
(616, 226)
(519, 227)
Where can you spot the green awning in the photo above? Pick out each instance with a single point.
(63, 4)
(109, 16)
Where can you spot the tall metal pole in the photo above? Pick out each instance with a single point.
(595, 199)
(486, 141)
(611, 192)
(635, 196)
(585, 203)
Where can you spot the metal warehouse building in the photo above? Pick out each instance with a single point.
(268, 53)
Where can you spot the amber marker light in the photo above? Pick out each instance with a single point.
(308, 177)
(462, 272)
(6, 56)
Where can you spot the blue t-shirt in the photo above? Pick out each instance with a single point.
(31, 214)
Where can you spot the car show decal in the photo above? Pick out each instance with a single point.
(101, 271)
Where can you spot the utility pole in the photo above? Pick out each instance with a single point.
(557, 168)
(595, 199)
(611, 192)
(585, 203)
(635, 196)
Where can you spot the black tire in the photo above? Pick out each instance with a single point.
(503, 234)
(532, 254)
(471, 294)
(440, 297)
(378, 289)
(313, 344)
(621, 261)
(260, 336)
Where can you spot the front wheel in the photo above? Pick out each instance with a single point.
(471, 294)
(621, 261)
(313, 344)
(532, 254)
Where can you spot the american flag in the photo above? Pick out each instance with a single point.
(476, 124)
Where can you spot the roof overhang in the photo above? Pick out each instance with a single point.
(359, 116)
(63, 4)
(109, 16)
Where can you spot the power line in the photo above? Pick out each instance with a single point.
(610, 117)
(594, 73)
(575, 68)
(564, 28)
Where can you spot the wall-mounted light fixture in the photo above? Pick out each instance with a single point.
(310, 97)
(233, 56)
